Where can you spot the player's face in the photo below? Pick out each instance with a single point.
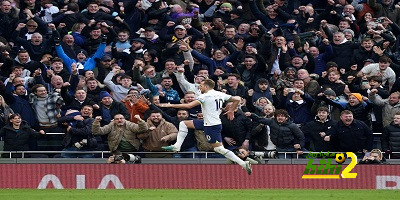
(202, 87)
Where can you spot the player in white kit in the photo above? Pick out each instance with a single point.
(211, 102)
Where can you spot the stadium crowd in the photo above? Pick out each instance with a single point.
(313, 75)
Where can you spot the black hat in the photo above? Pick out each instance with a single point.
(138, 40)
(251, 44)
(82, 51)
(106, 57)
(237, 12)
(149, 29)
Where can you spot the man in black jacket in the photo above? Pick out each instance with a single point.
(236, 132)
(285, 134)
(350, 135)
(316, 130)
(109, 108)
(390, 138)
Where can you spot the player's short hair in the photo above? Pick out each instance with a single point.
(208, 82)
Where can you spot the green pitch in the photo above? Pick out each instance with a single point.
(142, 194)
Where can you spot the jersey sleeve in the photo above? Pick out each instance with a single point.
(200, 98)
(225, 97)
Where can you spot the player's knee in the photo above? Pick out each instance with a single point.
(221, 150)
(182, 126)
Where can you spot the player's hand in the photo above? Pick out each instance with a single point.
(230, 115)
(164, 105)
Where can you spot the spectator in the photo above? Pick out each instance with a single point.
(380, 69)
(122, 135)
(78, 126)
(108, 108)
(119, 91)
(166, 92)
(235, 87)
(237, 132)
(286, 135)
(47, 107)
(390, 106)
(135, 105)
(18, 135)
(316, 130)
(373, 157)
(19, 103)
(161, 133)
(390, 139)
(5, 112)
(350, 135)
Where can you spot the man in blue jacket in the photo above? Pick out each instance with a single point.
(83, 63)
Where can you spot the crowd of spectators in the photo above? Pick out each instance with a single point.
(313, 75)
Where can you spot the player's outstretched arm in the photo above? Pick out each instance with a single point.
(180, 106)
(231, 112)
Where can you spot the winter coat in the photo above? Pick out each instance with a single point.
(136, 109)
(390, 138)
(151, 139)
(300, 111)
(115, 108)
(239, 128)
(283, 135)
(343, 53)
(18, 141)
(312, 129)
(388, 111)
(88, 64)
(353, 138)
(258, 93)
(4, 113)
(21, 105)
(129, 130)
(54, 103)
(79, 130)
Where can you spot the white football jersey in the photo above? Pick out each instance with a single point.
(211, 104)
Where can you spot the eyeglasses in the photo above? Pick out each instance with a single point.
(32, 26)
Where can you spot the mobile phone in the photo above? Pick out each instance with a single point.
(291, 90)
(367, 154)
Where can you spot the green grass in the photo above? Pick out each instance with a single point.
(142, 194)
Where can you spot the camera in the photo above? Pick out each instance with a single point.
(263, 154)
(81, 143)
(128, 158)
